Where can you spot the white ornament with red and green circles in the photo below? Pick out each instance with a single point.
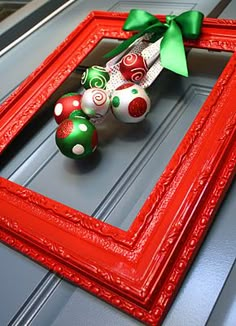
(130, 103)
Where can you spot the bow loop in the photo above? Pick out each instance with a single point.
(139, 20)
(190, 23)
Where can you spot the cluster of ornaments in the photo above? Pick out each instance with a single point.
(77, 114)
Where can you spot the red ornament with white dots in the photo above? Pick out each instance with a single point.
(66, 105)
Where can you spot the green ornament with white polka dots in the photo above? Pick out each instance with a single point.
(95, 76)
(76, 137)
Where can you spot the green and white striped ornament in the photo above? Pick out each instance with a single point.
(95, 76)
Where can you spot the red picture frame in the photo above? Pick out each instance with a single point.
(140, 270)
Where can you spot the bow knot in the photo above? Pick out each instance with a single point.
(169, 18)
(186, 25)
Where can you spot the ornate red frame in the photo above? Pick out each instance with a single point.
(139, 270)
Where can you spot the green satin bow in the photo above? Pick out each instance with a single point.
(186, 25)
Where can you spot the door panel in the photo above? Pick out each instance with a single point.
(19, 279)
(45, 299)
(224, 312)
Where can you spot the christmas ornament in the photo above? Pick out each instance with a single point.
(76, 137)
(149, 53)
(95, 103)
(95, 76)
(130, 103)
(68, 105)
(133, 67)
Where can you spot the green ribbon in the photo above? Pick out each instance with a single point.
(187, 25)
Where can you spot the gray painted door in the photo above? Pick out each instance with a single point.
(30, 295)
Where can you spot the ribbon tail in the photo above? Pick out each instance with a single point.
(172, 51)
(139, 19)
(123, 46)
